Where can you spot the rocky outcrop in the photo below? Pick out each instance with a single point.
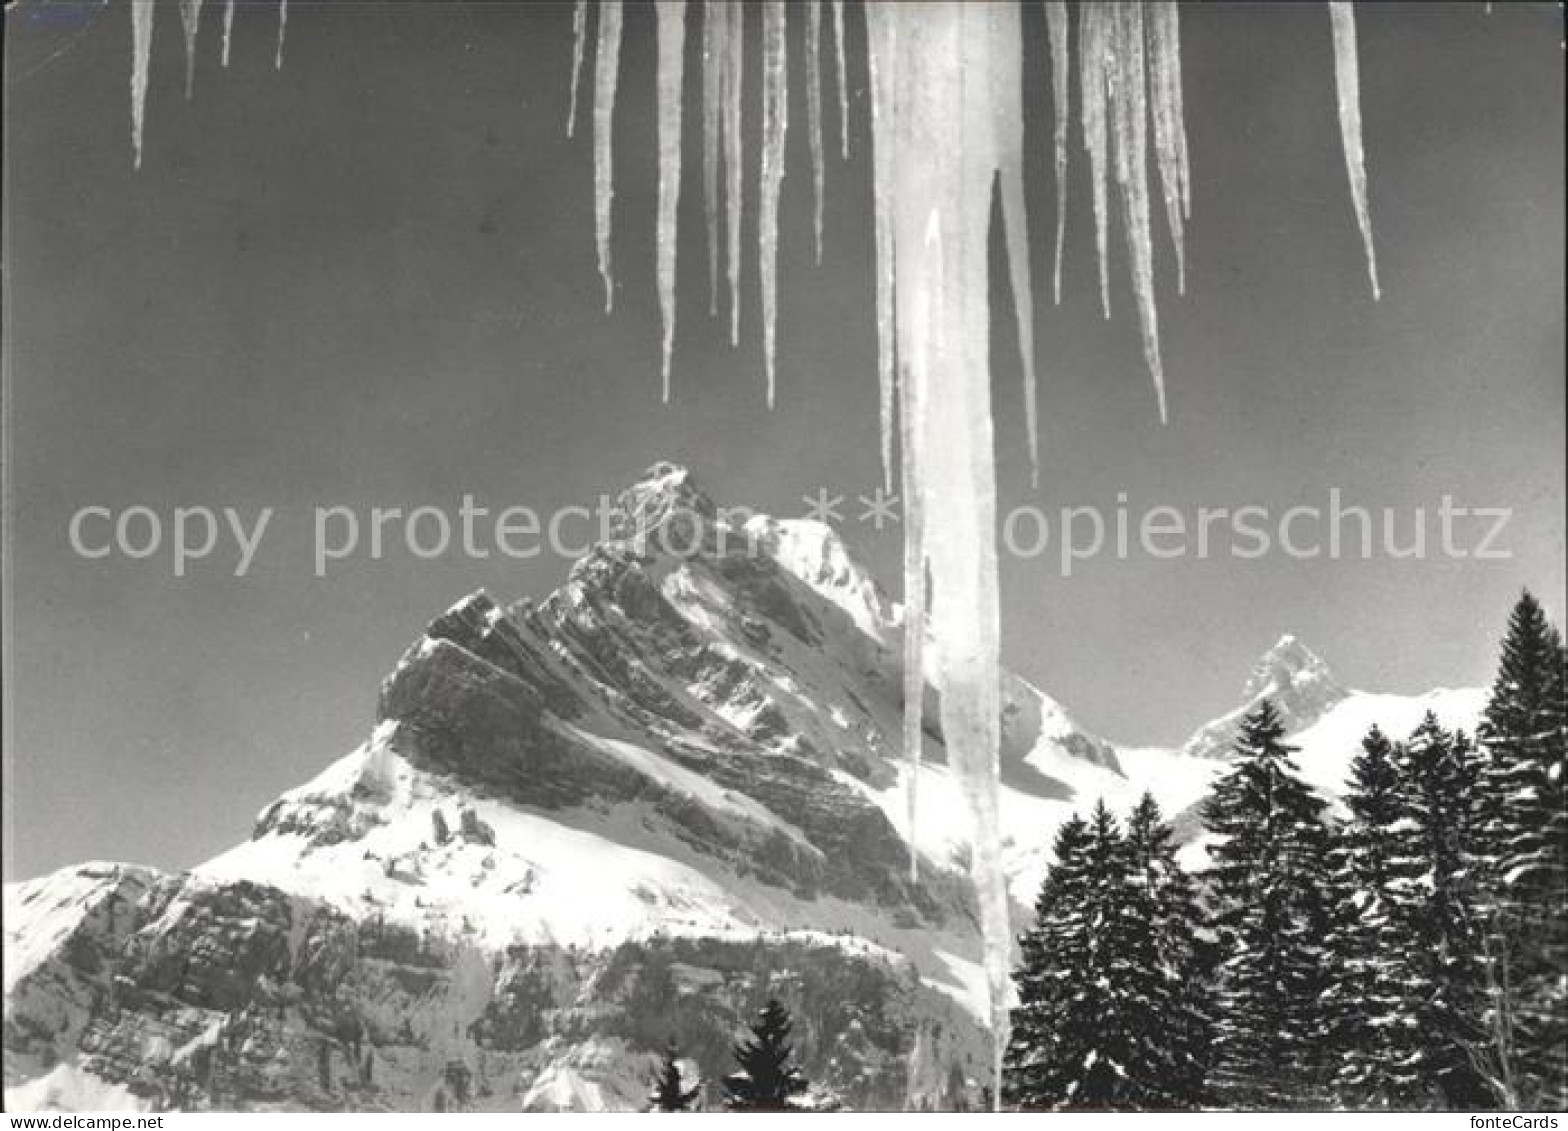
(239, 996)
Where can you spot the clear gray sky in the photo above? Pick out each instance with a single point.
(369, 279)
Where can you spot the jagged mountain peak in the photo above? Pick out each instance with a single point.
(665, 491)
(1289, 667)
(1290, 675)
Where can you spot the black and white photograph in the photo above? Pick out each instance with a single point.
(758, 556)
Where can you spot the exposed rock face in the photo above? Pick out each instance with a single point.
(236, 995)
(632, 810)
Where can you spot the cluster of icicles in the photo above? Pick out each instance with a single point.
(142, 17)
(947, 119)
(947, 131)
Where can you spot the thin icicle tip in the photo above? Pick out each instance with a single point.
(579, 34)
(814, 111)
(607, 58)
(228, 29)
(1347, 86)
(775, 125)
(142, 13)
(671, 69)
(190, 22)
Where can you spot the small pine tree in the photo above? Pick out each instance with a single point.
(767, 1080)
(1271, 913)
(669, 1089)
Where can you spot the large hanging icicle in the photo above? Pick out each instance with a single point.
(1093, 50)
(1347, 85)
(672, 54)
(843, 90)
(951, 141)
(1006, 102)
(190, 23)
(1129, 137)
(142, 12)
(283, 27)
(606, 69)
(1057, 35)
(579, 35)
(775, 125)
(228, 29)
(714, 37)
(1170, 128)
(814, 110)
(734, 73)
(883, 31)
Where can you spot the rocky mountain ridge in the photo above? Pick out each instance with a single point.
(579, 827)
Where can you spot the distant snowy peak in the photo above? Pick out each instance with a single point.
(1292, 677)
(1291, 673)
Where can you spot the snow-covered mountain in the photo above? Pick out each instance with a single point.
(580, 827)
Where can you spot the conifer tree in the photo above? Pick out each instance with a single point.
(1054, 966)
(1523, 845)
(669, 1089)
(1166, 901)
(1371, 1009)
(1271, 915)
(1106, 1019)
(1436, 829)
(767, 1079)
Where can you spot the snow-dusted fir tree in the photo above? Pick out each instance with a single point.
(1165, 899)
(670, 1092)
(1371, 1009)
(1105, 1021)
(1435, 834)
(767, 1079)
(1522, 840)
(1271, 914)
(1054, 967)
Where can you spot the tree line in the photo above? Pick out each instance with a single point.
(1411, 954)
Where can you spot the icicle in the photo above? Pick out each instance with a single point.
(607, 58)
(843, 90)
(190, 22)
(775, 124)
(714, 37)
(882, 29)
(1056, 29)
(579, 35)
(814, 108)
(672, 53)
(1347, 84)
(142, 12)
(283, 27)
(1093, 33)
(1170, 128)
(1129, 136)
(1007, 110)
(946, 161)
(734, 72)
(228, 29)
